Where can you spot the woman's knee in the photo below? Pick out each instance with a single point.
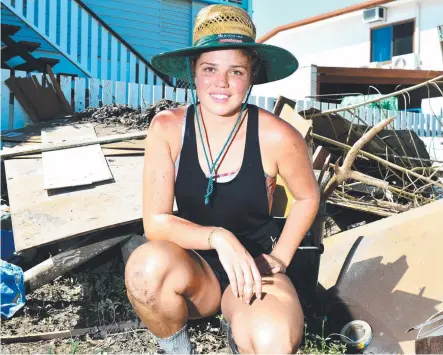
(264, 334)
(149, 266)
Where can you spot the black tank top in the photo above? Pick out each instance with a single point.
(240, 205)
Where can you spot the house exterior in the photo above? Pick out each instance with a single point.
(104, 39)
(398, 44)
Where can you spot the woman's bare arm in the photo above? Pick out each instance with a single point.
(160, 224)
(295, 167)
(158, 189)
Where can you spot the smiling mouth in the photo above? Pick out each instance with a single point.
(220, 97)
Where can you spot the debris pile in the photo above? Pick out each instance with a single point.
(126, 115)
(75, 190)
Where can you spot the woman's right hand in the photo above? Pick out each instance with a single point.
(240, 266)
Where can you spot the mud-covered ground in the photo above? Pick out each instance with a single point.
(93, 297)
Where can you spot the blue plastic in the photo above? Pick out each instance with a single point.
(12, 289)
(7, 244)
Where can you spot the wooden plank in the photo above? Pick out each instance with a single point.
(439, 125)
(7, 116)
(30, 11)
(428, 125)
(75, 166)
(150, 80)
(169, 93)
(134, 91)
(58, 91)
(94, 92)
(158, 93)
(417, 123)
(104, 55)
(19, 7)
(270, 102)
(38, 77)
(107, 92)
(146, 96)
(71, 333)
(84, 39)
(123, 63)
(66, 86)
(433, 126)
(20, 116)
(65, 261)
(252, 100)
(39, 219)
(180, 95)
(141, 73)
(80, 94)
(94, 48)
(422, 125)
(20, 95)
(120, 93)
(114, 62)
(53, 20)
(74, 30)
(403, 122)
(64, 26)
(261, 102)
(410, 120)
(132, 67)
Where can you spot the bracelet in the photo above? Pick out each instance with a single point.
(210, 236)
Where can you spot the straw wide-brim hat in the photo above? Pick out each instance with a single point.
(219, 27)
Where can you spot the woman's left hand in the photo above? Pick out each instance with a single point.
(268, 264)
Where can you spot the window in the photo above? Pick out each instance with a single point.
(390, 41)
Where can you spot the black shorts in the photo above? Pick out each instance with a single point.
(260, 243)
(211, 257)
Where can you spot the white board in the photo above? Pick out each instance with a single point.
(75, 166)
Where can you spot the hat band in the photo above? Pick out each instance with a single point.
(223, 38)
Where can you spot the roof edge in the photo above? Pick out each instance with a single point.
(321, 17)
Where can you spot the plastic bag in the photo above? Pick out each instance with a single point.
(12, 289)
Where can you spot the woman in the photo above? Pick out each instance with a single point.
(219, 158)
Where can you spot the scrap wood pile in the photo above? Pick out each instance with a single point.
(74, 184)
(375, 169)
(74, 187)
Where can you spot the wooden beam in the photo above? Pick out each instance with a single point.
(335, 75)
(378, 72)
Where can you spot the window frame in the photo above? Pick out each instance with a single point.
(413, 20)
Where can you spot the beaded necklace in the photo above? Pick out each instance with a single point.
(212, 167)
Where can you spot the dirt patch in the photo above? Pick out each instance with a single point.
(94, 297)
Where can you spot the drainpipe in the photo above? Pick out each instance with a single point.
(417, 29)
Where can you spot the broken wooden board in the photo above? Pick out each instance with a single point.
(75, 166)
(403, 142)
(39, 217)
(392, 279)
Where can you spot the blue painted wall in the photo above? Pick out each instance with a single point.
(150, 26)
(153, 26)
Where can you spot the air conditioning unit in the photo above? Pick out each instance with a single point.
(375, 14)
(406, 61)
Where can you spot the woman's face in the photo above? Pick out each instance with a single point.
(222, 79)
